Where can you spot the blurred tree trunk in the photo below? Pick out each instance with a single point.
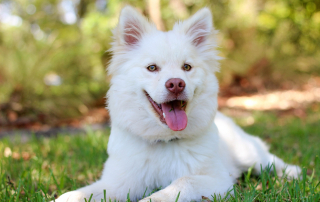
(154, 11)
(82, 8)
(0, 33)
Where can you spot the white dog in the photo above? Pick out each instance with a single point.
(165, 128)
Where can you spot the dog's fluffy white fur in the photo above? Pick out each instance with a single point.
(203, 159)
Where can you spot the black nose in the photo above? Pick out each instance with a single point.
(175, 85)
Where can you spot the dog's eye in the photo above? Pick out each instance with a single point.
(186, 67)
(152, 68)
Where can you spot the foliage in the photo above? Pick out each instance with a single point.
(41, 168)
(268, 41)
(43, 47)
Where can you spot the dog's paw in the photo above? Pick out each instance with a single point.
(146, 200)
(72, 196)
(153, 199)
(293, 171)
(161, 196)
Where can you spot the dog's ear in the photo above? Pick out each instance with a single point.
(132, 26)
(198, 27)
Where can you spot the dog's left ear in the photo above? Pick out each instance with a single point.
(198, 27)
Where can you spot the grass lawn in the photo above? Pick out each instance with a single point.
(40, 169)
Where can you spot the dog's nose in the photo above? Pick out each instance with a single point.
(175, 85)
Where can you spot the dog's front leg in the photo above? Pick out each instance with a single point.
(192, 188)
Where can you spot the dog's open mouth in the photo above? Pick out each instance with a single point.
(171, 113)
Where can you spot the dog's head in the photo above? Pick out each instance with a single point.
(163, 84)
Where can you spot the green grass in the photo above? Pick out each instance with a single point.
(40, 169)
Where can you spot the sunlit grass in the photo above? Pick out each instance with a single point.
(40, 169)
(47, 167)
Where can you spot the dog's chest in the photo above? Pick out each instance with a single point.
(166, 162)
(156, 165)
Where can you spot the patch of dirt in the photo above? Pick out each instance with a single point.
(283, 100)
(97, 118)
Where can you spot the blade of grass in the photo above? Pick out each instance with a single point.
(177, 197)
(18, 190)
(105, 195)
(55, 181)
(144, 194)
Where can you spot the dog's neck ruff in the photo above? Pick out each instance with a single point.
(171, 140)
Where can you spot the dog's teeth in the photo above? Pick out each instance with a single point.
(164, 115)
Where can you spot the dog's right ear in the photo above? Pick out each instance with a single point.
(132, 26)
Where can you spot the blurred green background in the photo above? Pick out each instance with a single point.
(53, 52)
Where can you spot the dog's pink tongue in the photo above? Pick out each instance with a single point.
(175, 116)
